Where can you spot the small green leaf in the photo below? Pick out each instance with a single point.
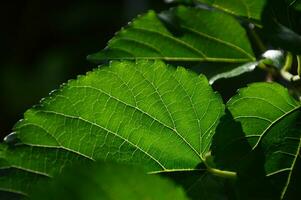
(108, 181)
(143, 113)
(270, 120)
(180, 34)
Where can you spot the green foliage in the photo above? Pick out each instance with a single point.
(250, 9)
(180, 34)
(167, 121)
(108, 181)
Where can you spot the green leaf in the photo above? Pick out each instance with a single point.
(143, 113)
(180, 34)
(270, 119)
(22, 167)
(245, 8)
(248, 67)
(108, 181)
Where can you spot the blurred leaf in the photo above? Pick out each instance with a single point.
(281, 25)
(180, 34)
(108, 181)
(180, 1)
(296, 4)
(143, 113)
(22, 167)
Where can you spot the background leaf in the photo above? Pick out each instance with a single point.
(143, 113)
(247, 8)
(181, 34)
(281, 25)
(108, 181)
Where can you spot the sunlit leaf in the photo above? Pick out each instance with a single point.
(245, 8)
(180, 34)
(143, 113)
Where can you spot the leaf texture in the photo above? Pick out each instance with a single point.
(180, 34)
(250, 9)
(143, 113)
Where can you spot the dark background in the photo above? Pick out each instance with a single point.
(45, 43)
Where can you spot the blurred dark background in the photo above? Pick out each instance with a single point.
(45, 43)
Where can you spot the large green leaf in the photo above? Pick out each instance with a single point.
(246, 8)
(108, 181)
(180, 34)
(143, 113)
(271, 123)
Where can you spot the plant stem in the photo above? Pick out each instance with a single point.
(299, 64)
(218, 172)
(222, 173)
(288, 62)
(287, 67)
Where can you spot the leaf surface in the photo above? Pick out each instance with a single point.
(180, 34)
(247, 8)
(143, 113)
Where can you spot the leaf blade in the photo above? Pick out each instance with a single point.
(147, 37)
(250, 9)
(144, 113)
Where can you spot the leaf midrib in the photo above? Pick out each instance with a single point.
(226, 43)
(105, 129)
(143, 112)
(181, 42)
(291, 171)
(136, 108)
